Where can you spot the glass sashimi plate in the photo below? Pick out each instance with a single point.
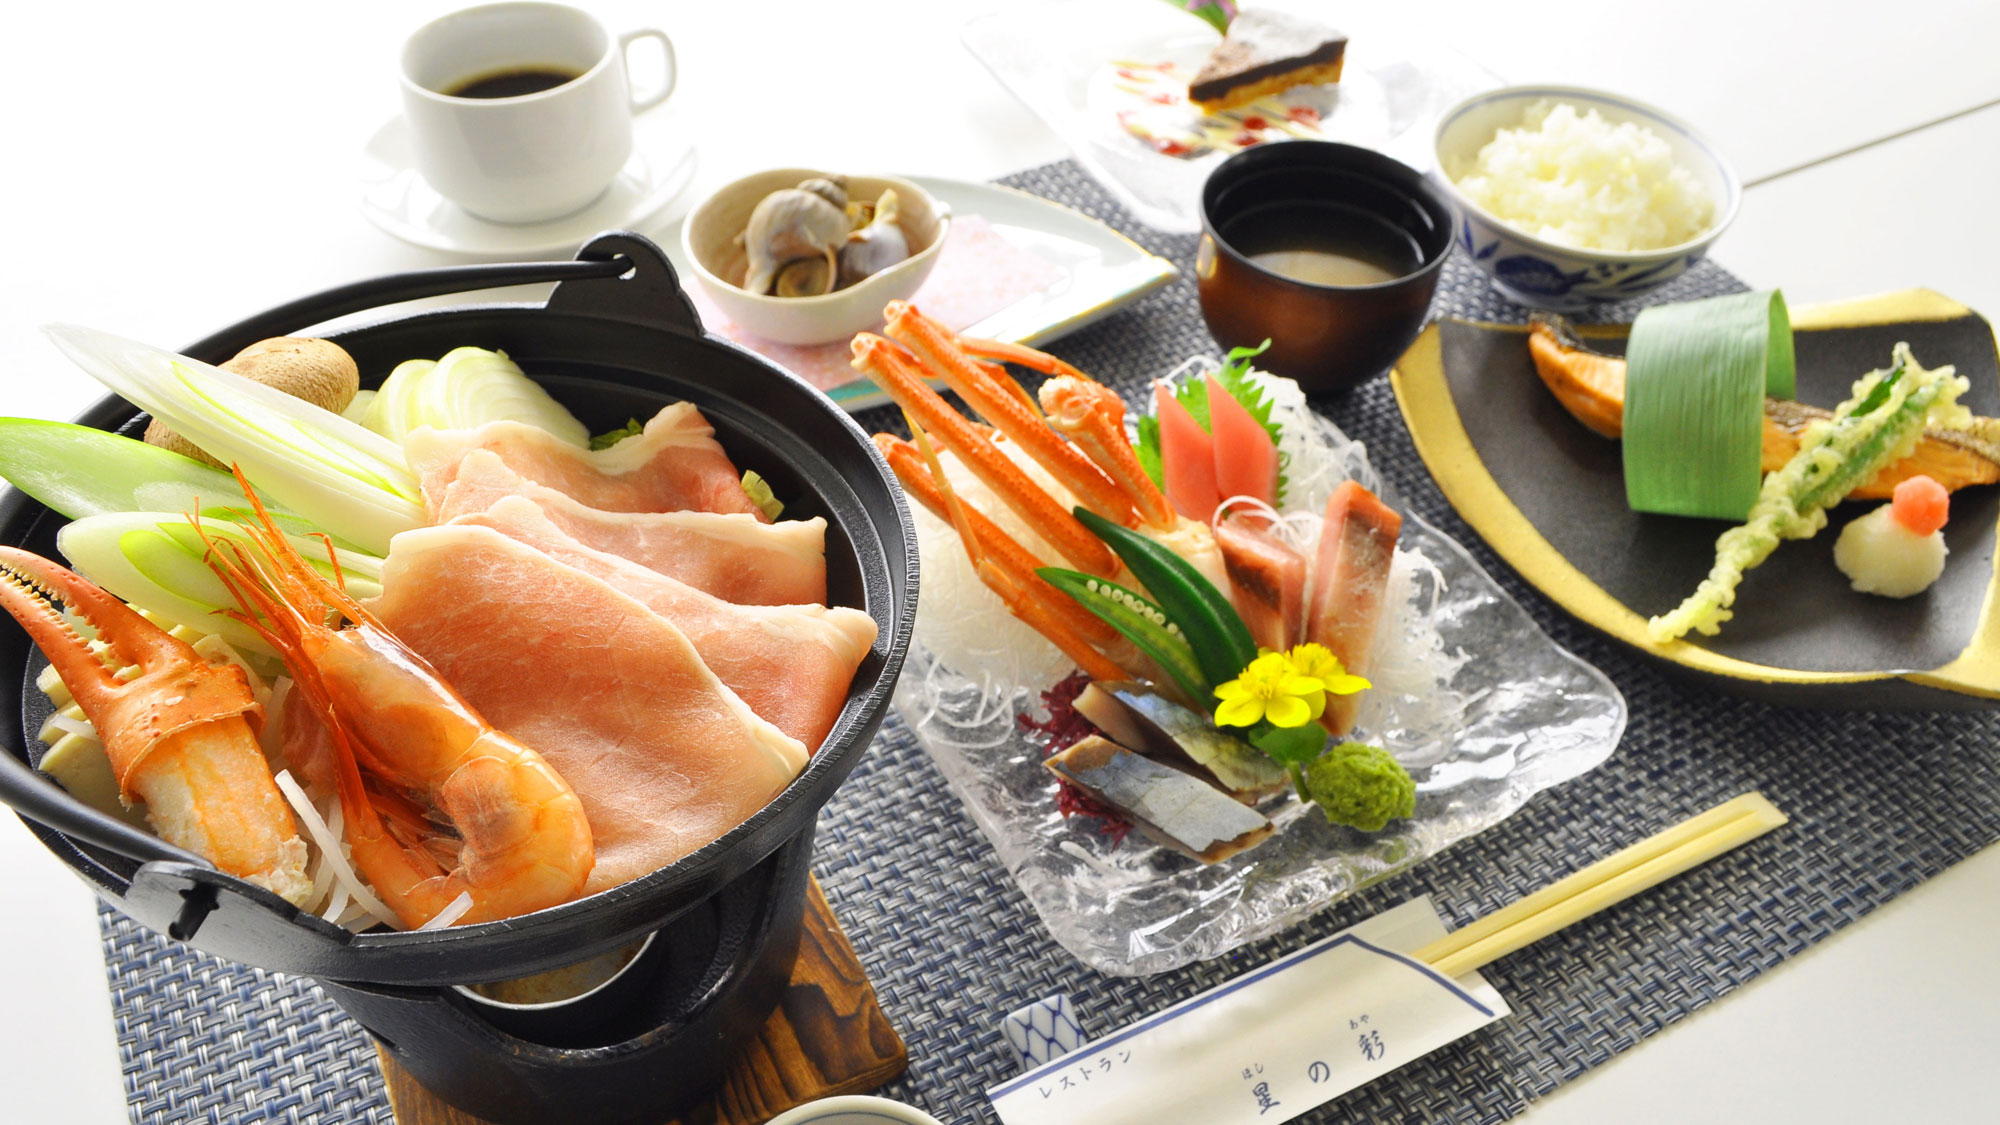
(1064, 61)
(1524, 714)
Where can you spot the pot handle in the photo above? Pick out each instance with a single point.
(618, 275)
(649, 293)
(39, 799)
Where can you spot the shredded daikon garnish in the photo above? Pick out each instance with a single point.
(347, 883)
(1412, 707)
(272, 737)
(959, 620)
(452, 912)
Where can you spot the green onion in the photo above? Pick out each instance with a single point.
(1696, 375)
(759, 491)
(347, 480)
(154, 560)
(79, 471)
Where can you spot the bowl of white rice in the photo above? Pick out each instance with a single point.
(1568, 196)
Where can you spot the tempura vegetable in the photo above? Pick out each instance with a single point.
(1878, 425)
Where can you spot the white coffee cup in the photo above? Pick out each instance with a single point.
(536, 156)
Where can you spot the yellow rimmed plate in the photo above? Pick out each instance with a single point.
(1549, 497)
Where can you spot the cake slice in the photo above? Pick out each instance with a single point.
(1266, 53)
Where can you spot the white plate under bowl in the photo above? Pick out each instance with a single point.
(397, 199)
(1101, 270)
(1393, 86)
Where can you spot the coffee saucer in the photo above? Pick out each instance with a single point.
(397, 199)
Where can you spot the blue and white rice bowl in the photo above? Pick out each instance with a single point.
(1541, 274)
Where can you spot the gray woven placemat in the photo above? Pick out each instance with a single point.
(1879, 803)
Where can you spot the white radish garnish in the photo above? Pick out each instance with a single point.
(1898, 549)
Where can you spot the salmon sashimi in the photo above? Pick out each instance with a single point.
(791, 664)
(728, 554)
(664, 757)
(1267, 581)
(1350, 580)
(674, 464)
(1591, 386)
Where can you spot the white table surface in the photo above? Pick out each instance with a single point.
(172, 167)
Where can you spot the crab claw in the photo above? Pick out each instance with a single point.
(175, 689)
(1093, 416)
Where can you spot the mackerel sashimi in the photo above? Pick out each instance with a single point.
(731, 555)
(791, 664)
(674, 464)
(663, 755)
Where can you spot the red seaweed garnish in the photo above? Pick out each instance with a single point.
(1063, 729)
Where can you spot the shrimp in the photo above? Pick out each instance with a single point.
(408, 749)
(181, 735)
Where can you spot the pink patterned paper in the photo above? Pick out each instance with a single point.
(978, 273)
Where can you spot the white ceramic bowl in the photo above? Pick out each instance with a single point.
(855, 1109)
(708, 239)
(1531, 271)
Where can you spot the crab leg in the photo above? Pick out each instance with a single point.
(1093, 416)
(181, 735)
(899, 375)
(1016, 353)
(938, 352)
(1039, 618)
(1012, 559)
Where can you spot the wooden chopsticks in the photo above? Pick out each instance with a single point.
(1611, 880)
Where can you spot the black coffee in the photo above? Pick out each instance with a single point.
(512, 83)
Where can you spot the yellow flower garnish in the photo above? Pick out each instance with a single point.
(1270, 688)
(1321, 664)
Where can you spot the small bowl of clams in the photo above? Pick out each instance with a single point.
(798, 256)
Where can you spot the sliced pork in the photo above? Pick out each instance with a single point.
(731, 555)
(675, 464)
(791, 664)
(665, 757)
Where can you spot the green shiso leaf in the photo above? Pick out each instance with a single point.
(1696, 375)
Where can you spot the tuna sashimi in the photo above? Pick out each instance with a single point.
(664, 757)
(1267, 581)
(1246, 459)
(674, 465)
(728, 554)
(1350, 577)
(1187, 457)
(792, 664)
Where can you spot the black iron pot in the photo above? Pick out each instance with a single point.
(617, 339)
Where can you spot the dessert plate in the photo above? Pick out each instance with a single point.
(1062, 60)
(1549, 497)
(397, 199)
